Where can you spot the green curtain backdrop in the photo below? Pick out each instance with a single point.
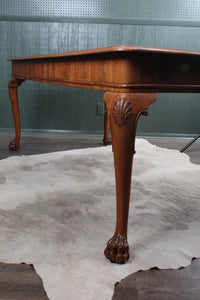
(41, 27)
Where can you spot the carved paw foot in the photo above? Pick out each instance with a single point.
(107, 141)
(14, 146)
(117, 250)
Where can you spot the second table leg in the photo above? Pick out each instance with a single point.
(13, 85)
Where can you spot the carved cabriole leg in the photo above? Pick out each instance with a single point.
(107, 138)
(13, 93)
(125, 109)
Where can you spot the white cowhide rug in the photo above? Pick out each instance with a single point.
(57, 212)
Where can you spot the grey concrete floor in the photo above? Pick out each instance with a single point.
(37, 143)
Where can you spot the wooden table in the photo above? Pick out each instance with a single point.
(130, 77)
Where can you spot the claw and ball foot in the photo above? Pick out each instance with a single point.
(13, 145)
(117, 250)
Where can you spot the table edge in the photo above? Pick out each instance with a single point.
(103, 50)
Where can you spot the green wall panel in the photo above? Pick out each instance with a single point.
(45, 106)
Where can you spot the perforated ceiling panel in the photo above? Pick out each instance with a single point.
(71, 8)
(150, 9)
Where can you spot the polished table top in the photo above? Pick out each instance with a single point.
(117, 68)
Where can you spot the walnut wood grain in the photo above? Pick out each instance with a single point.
(107, 138)
(13, 94)
(125, 110)
(130, 77)
(119, 68)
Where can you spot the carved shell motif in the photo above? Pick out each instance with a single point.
(122, 111)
